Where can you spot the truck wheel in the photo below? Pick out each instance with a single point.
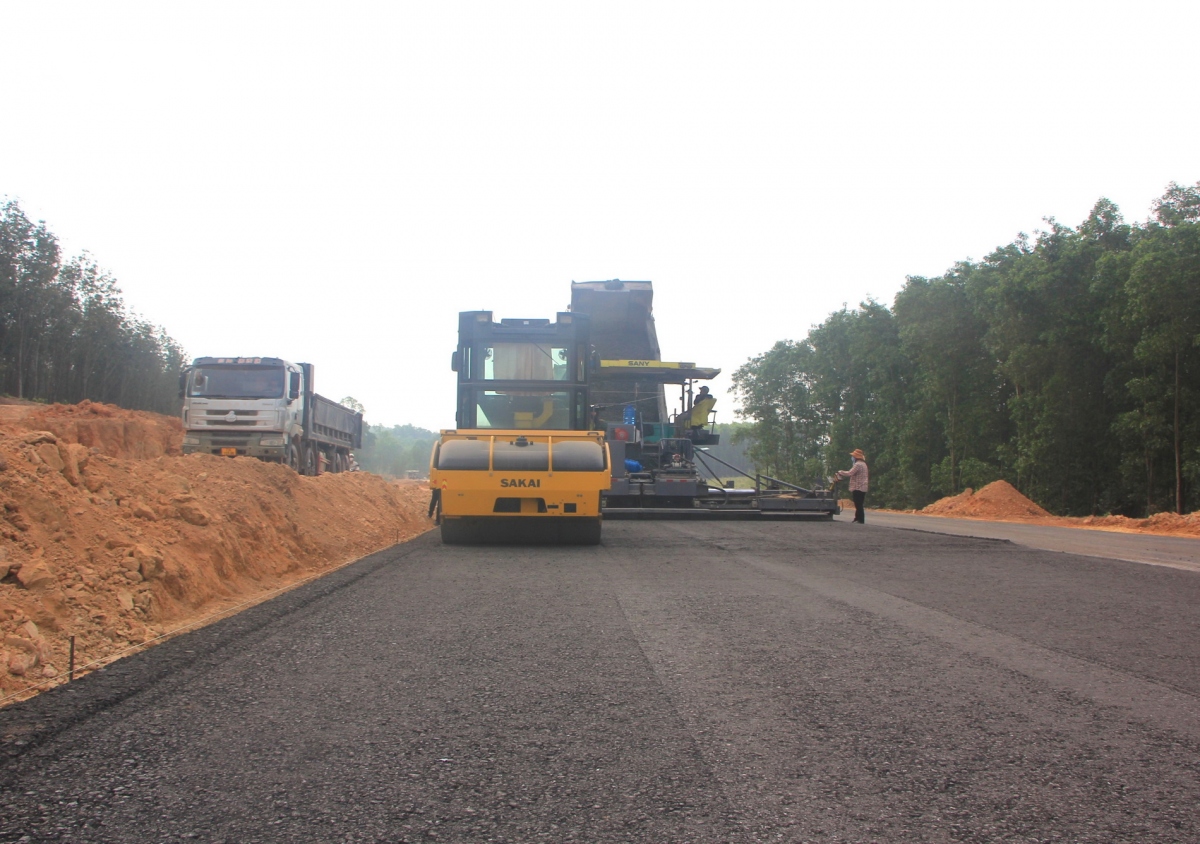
(310, 460)
(292, 457)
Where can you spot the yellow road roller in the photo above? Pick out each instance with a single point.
(522, 464)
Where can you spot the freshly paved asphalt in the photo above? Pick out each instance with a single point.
(682, 682)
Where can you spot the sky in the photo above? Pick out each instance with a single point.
(334, 182)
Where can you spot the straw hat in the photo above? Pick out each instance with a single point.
(858, 454)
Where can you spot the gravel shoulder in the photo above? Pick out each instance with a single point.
(1180, 552)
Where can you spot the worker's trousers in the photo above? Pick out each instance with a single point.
(860, 498)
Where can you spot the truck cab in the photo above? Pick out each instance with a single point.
(265, 407)
(241, 406)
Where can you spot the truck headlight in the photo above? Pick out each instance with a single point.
(270, 441)
(191, 441)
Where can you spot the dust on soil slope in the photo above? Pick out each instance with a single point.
(110, 535)
(1000, 501)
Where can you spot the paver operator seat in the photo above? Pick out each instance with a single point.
(698, 417)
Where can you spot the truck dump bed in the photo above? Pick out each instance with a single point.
(334, 423)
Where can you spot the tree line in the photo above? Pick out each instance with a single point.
(1067, 364)
(396, 450)
(65, 333)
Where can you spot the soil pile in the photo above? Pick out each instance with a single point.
(116, 432)
(1161, 523)
(110, 535)
(997, 500)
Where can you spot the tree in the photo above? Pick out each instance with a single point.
(942, 334)
(860, 381)
(1046, 334)
(65, 334)
(1164, 304)
(1178, 205)
(396, 450)
(30, 295)
(789, 429)
(1066, 363)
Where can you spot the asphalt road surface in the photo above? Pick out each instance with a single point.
(682, 682)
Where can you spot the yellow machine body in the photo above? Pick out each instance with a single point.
(520, 484)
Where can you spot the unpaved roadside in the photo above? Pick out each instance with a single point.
(1181, 552)
(1000, 501)
(110, 536)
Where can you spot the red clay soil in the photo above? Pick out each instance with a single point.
(109, 534)
(1000, 501)
(116, 432)
(997, 500)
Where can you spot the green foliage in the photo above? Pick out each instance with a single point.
(65, 334)
(812, 403)
(353, 403)
(968, 473)
(396, 450)
(1066, 364)
(1163, 308)
(790, 427)
(953, 375)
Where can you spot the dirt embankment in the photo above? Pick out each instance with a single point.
(1000, 501)
(110, 535)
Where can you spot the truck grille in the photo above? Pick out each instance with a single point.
(229, 438)
(236, 419)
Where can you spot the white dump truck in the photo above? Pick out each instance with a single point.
(266, 408)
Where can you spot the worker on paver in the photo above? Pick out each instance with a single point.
(859, 477)
(701, 405)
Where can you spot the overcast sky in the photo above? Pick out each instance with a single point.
(333, 182)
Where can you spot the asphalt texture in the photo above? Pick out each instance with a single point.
(681, 682)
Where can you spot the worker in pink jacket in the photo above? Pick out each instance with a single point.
(859, 478)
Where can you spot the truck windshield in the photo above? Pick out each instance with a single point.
(236, 382)
(525, 362)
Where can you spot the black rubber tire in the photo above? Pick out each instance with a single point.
(455, 532)
(309, 466)
(291, 458)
